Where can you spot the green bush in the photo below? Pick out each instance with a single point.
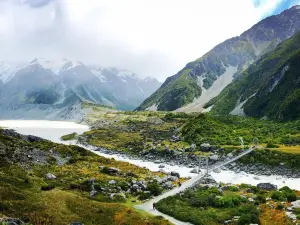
(289, 194)
(144, 196)
(261, 199)
(271, 145)
(233, 188)
(249, 214)
(154, 188)
(280, 207)
(244, 186)
(47, 187)
(278, 196)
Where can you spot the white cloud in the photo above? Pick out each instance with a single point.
(149, 37)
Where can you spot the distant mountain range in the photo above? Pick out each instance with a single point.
(204, 79)
(55, 89)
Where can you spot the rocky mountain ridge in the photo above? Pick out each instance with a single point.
(191, 84)
(267, 89)
(55, 89)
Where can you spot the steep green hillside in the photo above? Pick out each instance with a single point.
(237, 52)
(174, 93)
(272, 83)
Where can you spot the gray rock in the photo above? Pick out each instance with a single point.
(205, 147)
(135, 187)
(176, 174)
(93, 193)
(250, 199)
(267, 186)
(217, 170)
(121, 195)
(50, 176)
(195, 170)
(295, 204)
(168, 185)
(112, 171)
(112, 182)
(214, 157)
(193, 147)
(229, 155)
(172, 178)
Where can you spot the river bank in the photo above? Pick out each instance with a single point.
(53, 130)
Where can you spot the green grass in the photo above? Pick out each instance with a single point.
(174, 93)
(68, 200)
(208, 206)
(69, 137)
(133, 132)
(203, 205)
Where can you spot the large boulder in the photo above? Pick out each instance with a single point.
(93, 193)
(206, 147)
(172, 178)
(195, 170)
(168, 185)
(111, 171)
(267, 186)
(175, 174)
(214, 157)
(295, 204)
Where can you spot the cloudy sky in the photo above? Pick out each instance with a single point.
(150, 37)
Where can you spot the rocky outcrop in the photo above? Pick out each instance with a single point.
(14, 134)
(267, 186)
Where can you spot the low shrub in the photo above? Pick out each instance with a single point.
(280, 207)
(154, 188)
(47, 187)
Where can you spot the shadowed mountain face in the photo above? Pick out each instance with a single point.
(52, 87)
(190, 85)
(269, 88)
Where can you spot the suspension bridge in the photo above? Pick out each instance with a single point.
(148, 205)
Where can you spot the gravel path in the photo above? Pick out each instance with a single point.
(148, 206)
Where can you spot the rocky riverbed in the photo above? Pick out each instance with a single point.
(191, 161)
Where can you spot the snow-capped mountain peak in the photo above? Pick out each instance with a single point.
(56, 66)
(70, 65)
(8, 71)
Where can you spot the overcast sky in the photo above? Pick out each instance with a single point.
(150, 37)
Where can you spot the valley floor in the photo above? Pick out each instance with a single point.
(156, 141)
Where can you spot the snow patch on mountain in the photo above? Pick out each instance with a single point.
(99, 74)
(238, 110)
(125, 74)
(7, 72)
(70, 65)
(222, 81)
(152, 108)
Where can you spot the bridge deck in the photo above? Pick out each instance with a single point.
(147, 206)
